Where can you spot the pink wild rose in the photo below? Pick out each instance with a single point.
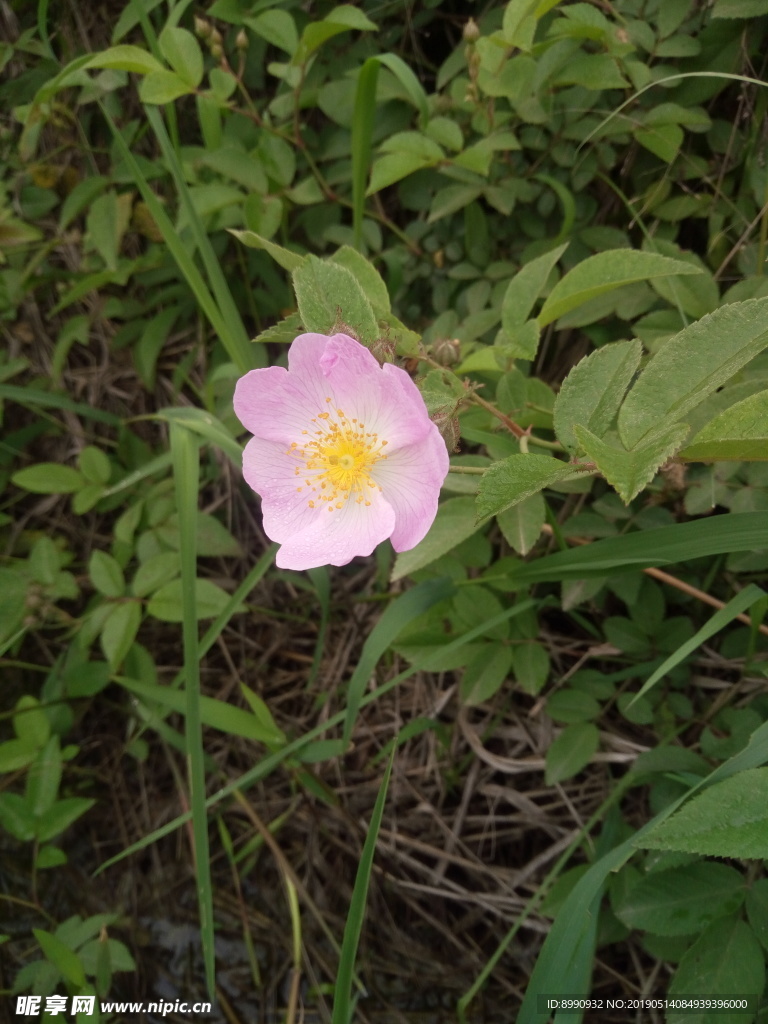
(343, 455)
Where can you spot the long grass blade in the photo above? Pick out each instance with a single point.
(239, 352)
(702, 538)
(342, 1000)
(235, 338)
(362, 133)
(738, 604)
(186, 471)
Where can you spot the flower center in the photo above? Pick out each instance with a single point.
(336, 459)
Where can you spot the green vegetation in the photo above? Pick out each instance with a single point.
(528, 756)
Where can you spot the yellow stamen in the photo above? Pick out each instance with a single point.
(338, 459)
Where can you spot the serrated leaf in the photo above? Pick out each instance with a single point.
(455, 521)
(287, 259)
(327, 293)
(571, 751)
(602, 273)
(592, 392)
(693, 364)
(367, 276)
(48, 478)
(281, 333)
(521, 524)
(739, 432)
(166, 603)
(106, 574)
(682, 900)
(629, 471)
(516, 478)
(729, 819)
(525, 288)
(183, 53)
(724, 961)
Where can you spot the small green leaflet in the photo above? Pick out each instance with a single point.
(630, 471)
(740, 432)
(516, 478)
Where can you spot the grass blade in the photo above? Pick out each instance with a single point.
(717, 535)
(235, 337)
(240, 351)
(362, 133)
(738, 604)
(342, 1000)
(186, 471)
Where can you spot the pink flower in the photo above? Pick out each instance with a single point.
(344, 454)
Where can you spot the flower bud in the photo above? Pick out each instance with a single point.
(217, 51)
(202, 27)
(446, 351)
(241, 40)
(471, 31)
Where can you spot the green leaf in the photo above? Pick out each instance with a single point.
(516, 478)
(757, 910)
(739, 8)
(455, 521)
(62, 957)
(602, 273)
(94, 465)
(342, 19)
(217, 714)
(485, 673)
(44, 561)
(106, 574)
(663, 140)
(693, 364)
(59, 817)
(369, 279)
(683, 900)
(155, 572)
(525, 288)
(119, 632)
(166, 603)
(328, 294)
(48, 478)
(630, 471)
(729, 819)
(16, 817)
(285, 257)
(739, 433)
(161, 87)
(182, 51)
(571, 751)
(277, 27)
(725, 961)
(521, 524)
(412, 87)
(592, 392)
(103, 227)
(392, 167)
(44, 777)
(516, 29)
(531, 665)
(125, 58)
(30, 721)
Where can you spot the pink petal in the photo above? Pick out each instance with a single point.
(410, 479)
(337, 536)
